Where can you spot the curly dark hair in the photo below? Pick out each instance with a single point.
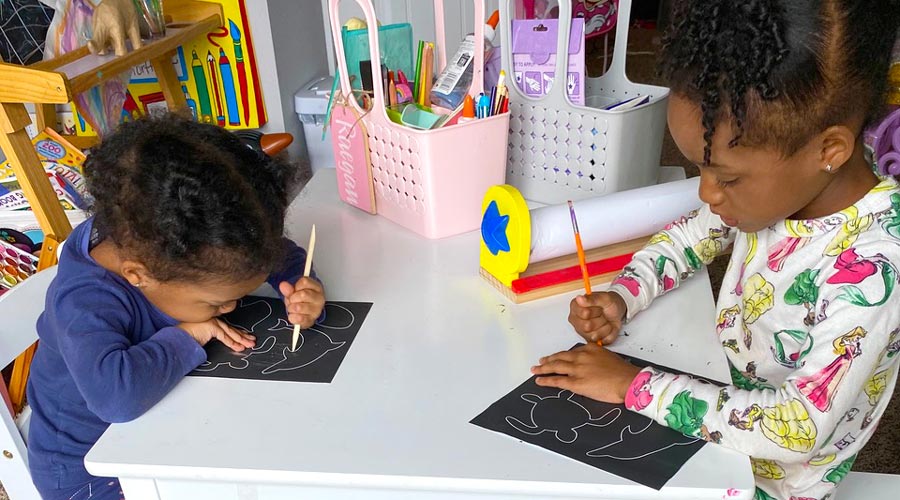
(780, 70)
(189, 201)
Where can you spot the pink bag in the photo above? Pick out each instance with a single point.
(429, 181)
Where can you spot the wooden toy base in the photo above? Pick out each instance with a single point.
(557, 272)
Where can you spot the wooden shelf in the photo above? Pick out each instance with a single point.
(89, 70)
(55, 82)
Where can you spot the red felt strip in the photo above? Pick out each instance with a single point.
(572, 273)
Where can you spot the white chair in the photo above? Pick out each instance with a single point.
(19, 308)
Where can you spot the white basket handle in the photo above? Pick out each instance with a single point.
(478, 61)
(557, 92)
(375, 52)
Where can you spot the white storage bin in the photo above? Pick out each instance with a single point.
(310, 103)
(559, 151)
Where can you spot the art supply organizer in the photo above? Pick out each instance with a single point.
(429, 181)
(559, 151)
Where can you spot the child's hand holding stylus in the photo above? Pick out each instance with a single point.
(598, 316)
(304, 301)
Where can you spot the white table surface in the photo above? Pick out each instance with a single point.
(438, 347)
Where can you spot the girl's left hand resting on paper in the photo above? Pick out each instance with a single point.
(588, 370)
(215, 328)
(304, 301)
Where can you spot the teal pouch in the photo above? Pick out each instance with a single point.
(394, 42)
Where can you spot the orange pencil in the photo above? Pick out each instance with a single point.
(581, 261)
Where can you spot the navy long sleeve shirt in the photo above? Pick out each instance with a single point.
(106, 354)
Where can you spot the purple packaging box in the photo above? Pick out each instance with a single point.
(534, 57)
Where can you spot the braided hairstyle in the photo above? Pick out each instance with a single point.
(188, 200)
(780, 70)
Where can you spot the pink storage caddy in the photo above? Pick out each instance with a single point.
(429, 181)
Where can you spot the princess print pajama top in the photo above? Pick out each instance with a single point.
(809, 322)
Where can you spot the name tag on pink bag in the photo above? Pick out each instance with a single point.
(351, 154)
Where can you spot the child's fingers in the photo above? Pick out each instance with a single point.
(286, 289)
(609, 337)
(307, 283)
(234, 339)
(558, 381)
(597, 304)
(305, 295)
(589, 328)
(310, 308)
(302, 320)
(581, 309)
(557, 367)
(562, 355)
(228, 341)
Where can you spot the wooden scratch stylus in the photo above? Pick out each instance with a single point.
(309, 258)
(581, 261)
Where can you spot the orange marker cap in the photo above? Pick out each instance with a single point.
(468, 107)
(494, 19)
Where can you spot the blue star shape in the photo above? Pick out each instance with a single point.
(493, 229)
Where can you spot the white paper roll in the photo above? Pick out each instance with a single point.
(612, 218)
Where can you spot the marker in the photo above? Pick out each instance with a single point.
(468, 111)
(484, 105)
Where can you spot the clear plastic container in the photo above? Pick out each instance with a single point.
(453, 83)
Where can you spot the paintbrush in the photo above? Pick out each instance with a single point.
(309, 259)
(581, 261)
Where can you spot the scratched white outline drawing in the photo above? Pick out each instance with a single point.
(263, 348)
(595, 453)
(302, 340)
(534, 399)
(270, 341)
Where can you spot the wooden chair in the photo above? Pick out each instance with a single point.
(19, 308)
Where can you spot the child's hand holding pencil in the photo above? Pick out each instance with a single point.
(304, 301)
(597, 316)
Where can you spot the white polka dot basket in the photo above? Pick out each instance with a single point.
(559, 151)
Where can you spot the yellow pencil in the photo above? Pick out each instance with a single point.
(309, 259)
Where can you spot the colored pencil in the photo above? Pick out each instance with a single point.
(309, 258)
(216, 90)
(418, 72)
(427, 74)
